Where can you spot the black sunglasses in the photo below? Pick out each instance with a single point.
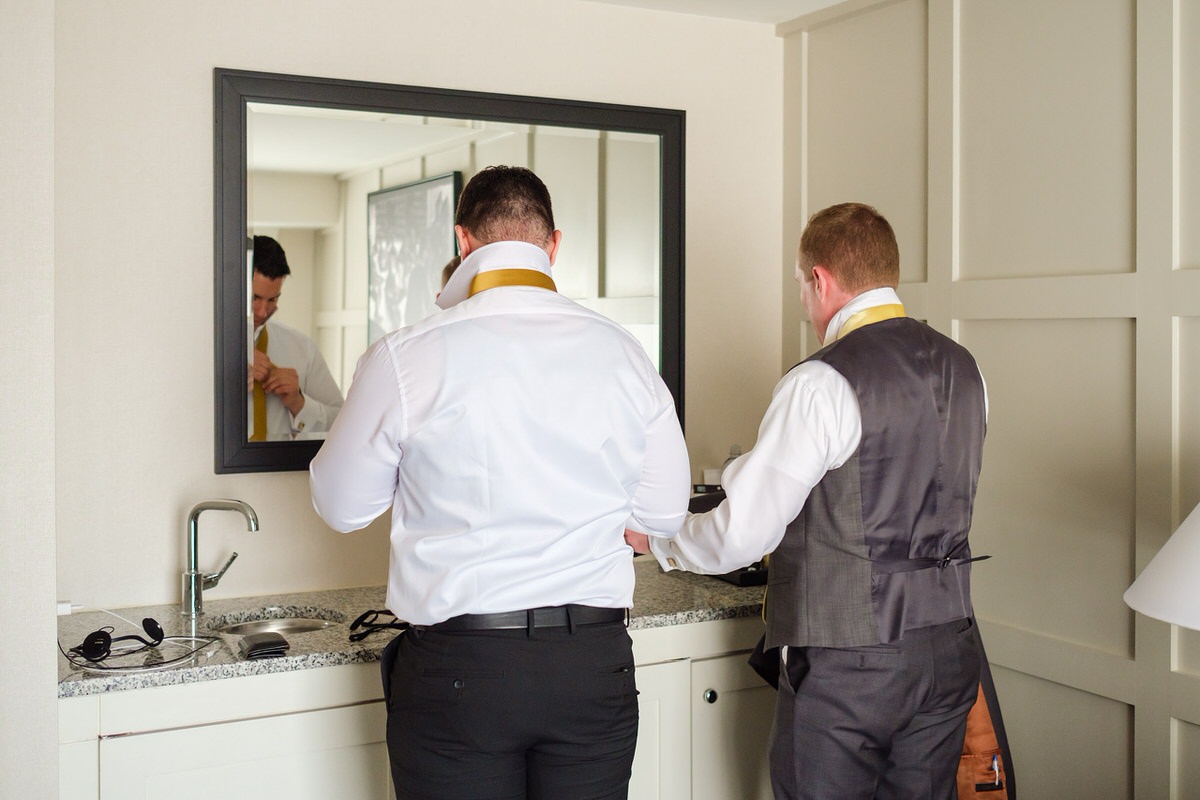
(369, 623)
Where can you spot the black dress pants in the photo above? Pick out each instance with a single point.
(548, 714)
(884, 722)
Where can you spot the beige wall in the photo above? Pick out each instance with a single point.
(28, 754)
(108, 269)
(133, 276)
(1046, 201)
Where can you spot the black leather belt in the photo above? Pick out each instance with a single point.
(570, 616)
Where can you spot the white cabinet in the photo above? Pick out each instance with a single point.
(320, 733)
(337, 752)
(732, 710)
(662, 763)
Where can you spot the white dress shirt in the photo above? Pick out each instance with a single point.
(514, 436)
(811, 426)
(288, 347)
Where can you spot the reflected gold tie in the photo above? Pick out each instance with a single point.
(260, 396)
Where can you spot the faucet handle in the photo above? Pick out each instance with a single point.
(213, 578)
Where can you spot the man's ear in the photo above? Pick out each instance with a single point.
(820, 281)
(465, 241)
(552, 250)
(824, 282)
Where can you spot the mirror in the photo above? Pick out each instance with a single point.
(615, 174)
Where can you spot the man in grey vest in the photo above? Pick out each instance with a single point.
(861, 487)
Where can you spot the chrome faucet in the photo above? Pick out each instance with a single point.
(195, 581)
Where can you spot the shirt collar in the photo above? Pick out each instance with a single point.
(497, 255)
(868, 299)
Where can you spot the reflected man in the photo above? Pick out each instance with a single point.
(291, 390)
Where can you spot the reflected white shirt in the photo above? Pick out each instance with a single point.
(812, 425)
(514, 436)
(288, 347)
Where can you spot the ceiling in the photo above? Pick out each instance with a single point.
(766, 11)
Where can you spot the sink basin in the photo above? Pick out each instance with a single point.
(284, 620)
(285, 626)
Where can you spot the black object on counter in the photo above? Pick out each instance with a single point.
(263, 645)
(753, 575)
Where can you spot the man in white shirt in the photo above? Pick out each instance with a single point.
(861, 487)
(514, 436)
(291, 391)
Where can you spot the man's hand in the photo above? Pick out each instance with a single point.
(261, 367)
(285, 382)
(640, 542)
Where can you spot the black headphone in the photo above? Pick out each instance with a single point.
(97, 645)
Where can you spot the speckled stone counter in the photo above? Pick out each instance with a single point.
(660, 600)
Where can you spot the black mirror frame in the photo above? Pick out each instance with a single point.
(233, 89)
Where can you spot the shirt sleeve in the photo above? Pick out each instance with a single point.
(322, 397)
(811, 426)
(353, 476)
(661, 498)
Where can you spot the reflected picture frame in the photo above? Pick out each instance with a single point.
(410, 240)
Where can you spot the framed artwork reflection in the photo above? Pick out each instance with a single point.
(410, 238)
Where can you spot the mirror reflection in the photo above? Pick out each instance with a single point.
(354, 194)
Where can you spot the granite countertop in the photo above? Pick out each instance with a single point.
(660, 600)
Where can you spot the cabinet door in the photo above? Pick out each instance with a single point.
(660, 766)
(732, 712)
(338, 752)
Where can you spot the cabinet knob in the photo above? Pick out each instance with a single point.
(710, 695)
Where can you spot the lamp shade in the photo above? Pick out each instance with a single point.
(1168, 588)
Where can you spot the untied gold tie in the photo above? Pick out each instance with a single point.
(260, 396)
(510, 277)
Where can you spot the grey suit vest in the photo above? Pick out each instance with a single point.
(880, 546)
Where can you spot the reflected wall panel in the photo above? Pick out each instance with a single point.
(510, 147)
(456, 159)
(1047, 131)
(568, 162)
(632, 218)
(1054, 719)
(357, 271)
(867, 121)
(1056, 498)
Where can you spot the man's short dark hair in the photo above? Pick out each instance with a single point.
(506, 204)
(269, 258)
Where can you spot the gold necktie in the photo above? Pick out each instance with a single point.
(260, 396)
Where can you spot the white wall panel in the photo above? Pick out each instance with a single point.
(1056, 506)
(1188, 444)
(1055, 205)
(1065, 743)
(867, 121)
(1189, 133)
(1187, 759)
(1047, 137)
